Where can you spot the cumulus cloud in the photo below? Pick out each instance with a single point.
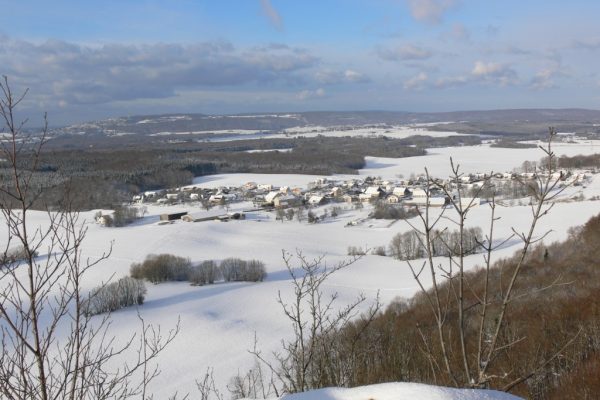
(68, 73)
(543, 80)
(416, 82)
(311, 94)
(546, 77)
(272, 14)
(494, 72)
(333, 77)
(430, 11)
(482, 72)
(403, 53)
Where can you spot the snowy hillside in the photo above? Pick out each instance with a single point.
(220, 322)
(401, 391)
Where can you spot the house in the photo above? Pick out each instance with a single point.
(401, 191)
(287, 201)
(528, 175)
(392, 199)
(336, 191)
(172, 216)
(418, 192)
(375, 192)
(365, 198)
(423, 201)
(316, 200)
(265, 187)
(271, 196)
(347, 198)
(216, 198)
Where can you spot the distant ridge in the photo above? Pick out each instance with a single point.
(152, 124)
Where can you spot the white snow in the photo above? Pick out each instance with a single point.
(215, 132)
(401, 391)
(219, 322)
(472, 159)
(396, 132)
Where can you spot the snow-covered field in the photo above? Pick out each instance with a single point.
(396, 132)
(219, 322)
(472, 159)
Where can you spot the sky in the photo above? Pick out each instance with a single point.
(88, 60)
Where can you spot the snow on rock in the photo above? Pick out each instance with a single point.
(400, 391)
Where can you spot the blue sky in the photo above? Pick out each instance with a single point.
(86, 60)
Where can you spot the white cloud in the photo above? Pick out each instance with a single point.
(272, 14)
(311, 94)
(546, 77)
(355, 76)
(405, 52)
(494, 72)
(68, 73)
(543, 79)
(430, 11)
(416, 82)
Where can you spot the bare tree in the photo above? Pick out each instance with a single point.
(309, 359)
(51, 347)
(453, 318)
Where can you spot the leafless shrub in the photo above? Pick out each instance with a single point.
(158, 268)
(205, 273)
(356, 251)
(378, 251)
(116, 295)
(238, 270)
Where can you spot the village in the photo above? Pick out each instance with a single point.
(394, 199)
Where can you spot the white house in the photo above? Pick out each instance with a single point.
(271, 196)
(287, 201)
(401, 191)
(264, 187)
(418, 192)
(316, 200)
(374, 191)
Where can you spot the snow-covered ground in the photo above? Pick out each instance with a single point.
(396, 132)
(401, 391)
(472, 159)
(219, 322)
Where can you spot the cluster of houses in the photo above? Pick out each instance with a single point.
(402, 192)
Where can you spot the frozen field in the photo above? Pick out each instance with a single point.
(396, 132)
(472, 159)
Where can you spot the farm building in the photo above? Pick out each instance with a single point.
(172, 216)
